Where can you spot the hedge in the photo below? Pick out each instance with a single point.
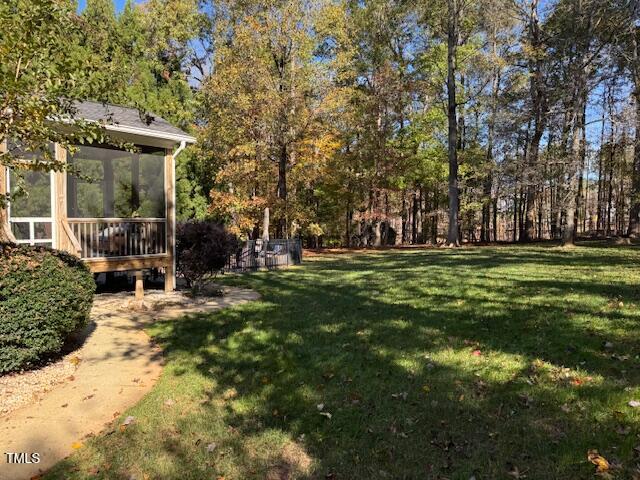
(45, 296)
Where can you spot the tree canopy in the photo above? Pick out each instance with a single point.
(359, 123)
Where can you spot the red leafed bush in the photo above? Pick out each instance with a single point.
(202, 249)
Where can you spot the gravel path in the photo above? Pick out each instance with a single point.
(58, 406)
(21, 389)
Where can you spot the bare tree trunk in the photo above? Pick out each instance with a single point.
(485, 232)
(634, 212)
(405, 218)
(377, 234)
(421, 199)
(495, 218)
(265, 225)
(600, 201)
(515, 213)
(569, 232)
(414, 218)
(434, 218)
(453, 236)
(580, 203)
(612, 155)
(282, 188)
(538, 104)
(347, 221)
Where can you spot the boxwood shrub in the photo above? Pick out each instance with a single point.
(45, 296)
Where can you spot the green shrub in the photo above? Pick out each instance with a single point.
(45, 295)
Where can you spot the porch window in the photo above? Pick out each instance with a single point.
(116, 183)
(30, 216)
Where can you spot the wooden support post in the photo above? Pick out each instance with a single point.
(59, 210)
(5, 230)
(170, 214)
(139, 286)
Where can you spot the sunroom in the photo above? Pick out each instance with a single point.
(118, 214)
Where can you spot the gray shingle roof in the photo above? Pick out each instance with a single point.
(119, 116)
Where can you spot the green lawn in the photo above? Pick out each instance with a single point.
(508, 362)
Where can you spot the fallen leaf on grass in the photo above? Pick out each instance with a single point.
(601, 463)
(229, 394)
(328, 375)
(402, 395)
(128, 421)
(516, 473)
(355, 398)
(211, 447)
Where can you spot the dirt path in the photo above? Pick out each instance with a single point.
(118, 366)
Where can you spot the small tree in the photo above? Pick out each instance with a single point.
(42, 74)
(202, 250)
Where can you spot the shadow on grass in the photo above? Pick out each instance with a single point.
(441, 364)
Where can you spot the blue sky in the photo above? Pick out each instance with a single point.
(118, 3)
(593, 112)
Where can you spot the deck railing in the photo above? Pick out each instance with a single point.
(254, 254)
(119, 237)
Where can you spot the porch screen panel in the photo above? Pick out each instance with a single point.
(116, 183)
(37, 201)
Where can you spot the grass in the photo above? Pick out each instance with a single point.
(506, 362)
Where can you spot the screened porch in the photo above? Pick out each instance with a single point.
(115, 204)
